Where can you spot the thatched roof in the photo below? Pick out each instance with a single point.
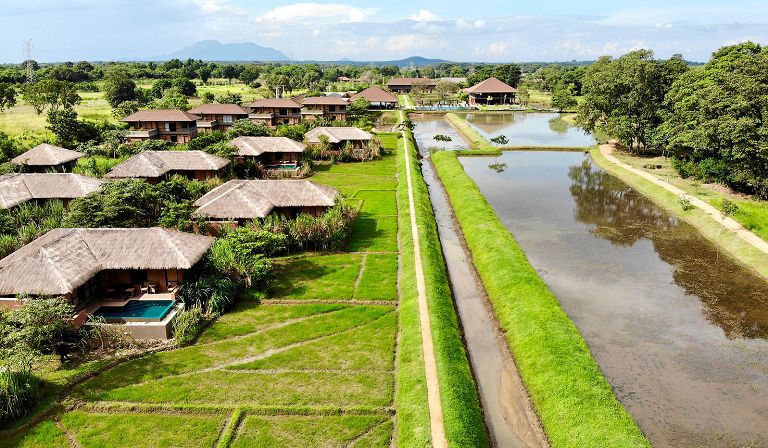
(148, 164)
(16, 188)
(376, 95)
(250, 199)
(47, 155)
(324, 101)
(411, 82)
(60, 261)
(160, 115)
(337, 134)
(491, 85)
(256, 146)
(218, 109)
(275, 102)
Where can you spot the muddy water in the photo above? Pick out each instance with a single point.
(530, 129)
(678, 328)
(508, 414)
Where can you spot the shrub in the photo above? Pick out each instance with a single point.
(188, 325)
(213, 294)
(18, 393)
(685, 203)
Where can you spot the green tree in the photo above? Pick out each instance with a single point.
(509, 73)
(50, 94)
(7, 96)
(185, 86)
(204, 73)
(717, 119)
(625, 97)
(125, 203)
(229, 72)
(119, 87)
(358, 109)
(562, 98)
(249, 74)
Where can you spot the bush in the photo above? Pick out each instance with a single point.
(18, 394)
(240, 257)
(213, 294)
(188, 325)
(328, 231)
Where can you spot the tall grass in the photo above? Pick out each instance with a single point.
(18, 394)
(25, 222)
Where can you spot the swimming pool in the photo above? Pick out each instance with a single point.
(136, 310)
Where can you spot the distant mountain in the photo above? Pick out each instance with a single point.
(213, 50)
(416, 61)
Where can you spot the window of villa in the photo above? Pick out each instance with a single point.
(283, 111)
(227, 118)
(167, 127)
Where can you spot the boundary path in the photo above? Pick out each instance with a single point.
(728, 223)
(430, 366)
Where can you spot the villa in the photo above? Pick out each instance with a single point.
(338, 137)
(18, 188)
(274, 111)
(45, 158)
(238, 201)
(405, 85)
(125, 276)
(329, 108)
(155, 166)
(491, 92)
(173, 125)
(378, 98)
(274, 153)
(218, 117)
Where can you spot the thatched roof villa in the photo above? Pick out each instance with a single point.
(241, 200)
(47, 157)
(339, 136)
(378, 98)
(157, 165)
(272, 152)
(107, 269)
(17, 188)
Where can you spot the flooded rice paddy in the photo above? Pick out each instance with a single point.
(678, 328)
(530, 129)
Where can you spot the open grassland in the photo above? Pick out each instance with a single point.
(752, 214)
(462, 414)
(575, 403)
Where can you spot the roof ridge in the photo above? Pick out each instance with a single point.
(165, 234)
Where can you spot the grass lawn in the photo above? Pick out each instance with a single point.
(313, 432)
(321, 277)
(469, 133)
(378, 279)
(575, 403)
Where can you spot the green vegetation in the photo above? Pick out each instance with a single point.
(477, 141)
(464, 424)
(575, 403)
(749, 211)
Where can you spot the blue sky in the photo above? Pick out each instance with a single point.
(479, 30)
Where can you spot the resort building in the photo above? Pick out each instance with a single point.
(491, 92)
(155, 166)
(126, 276)
(338, 137)
(405, 85)
(238, 201)
(274, 111)
(45, 158)
(378, 98)
(18, 188)
(329, 108)
(218, 117)
(274, 153)
(175, 126)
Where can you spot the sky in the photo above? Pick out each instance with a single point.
(467, 30)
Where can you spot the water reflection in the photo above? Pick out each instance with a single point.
(736, 299)
(530, 129)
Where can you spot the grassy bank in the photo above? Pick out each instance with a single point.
(576, 404)
(464, 424)
(469, 133)
(752, 214)
(732, 243)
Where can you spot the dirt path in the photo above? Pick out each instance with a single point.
(430, 366)
(727, 223)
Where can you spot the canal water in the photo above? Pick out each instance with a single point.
(530, 129)
(677, 327)
(509, 416)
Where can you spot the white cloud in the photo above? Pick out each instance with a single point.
(298, 11)
(424, 16)
(405, 42)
